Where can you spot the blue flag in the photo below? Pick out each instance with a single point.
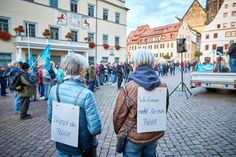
(31, 62)
(45, 55)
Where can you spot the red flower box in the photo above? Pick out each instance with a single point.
(92, 45)
(5, 36)
(105, 46)
(117, 47)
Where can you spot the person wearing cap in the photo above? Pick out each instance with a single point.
(28, 82)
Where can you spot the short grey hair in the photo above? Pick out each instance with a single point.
(143, 58)
(72, 63)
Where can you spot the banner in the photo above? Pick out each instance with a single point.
(65, 123)
(151, 111)
(205, 67)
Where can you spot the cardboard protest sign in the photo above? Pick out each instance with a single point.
(65, 123)
(151, 110)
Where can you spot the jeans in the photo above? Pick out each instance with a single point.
(232, 64)
(120, 80)
(46, 90)
(61, 154)
(91, 85)
(113, 79)
(101, 79)
(41, 89)
(17, 103)
(140, 150)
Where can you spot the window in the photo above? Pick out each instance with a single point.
(226, 6)
(54, 3)
(224, 25)
(214, 47)
(30, 0)
(227, 34)
(206, 47)
(91, 60)
(117, 18)
(105, 59)
(91, 36)
(233, 34)
(172, 45)
(167, 45)
(215, 35)
(73, 6)
(218, 26)
(234, 4)
(105, 39)
(232, 24)
(117, 40)
(54, 33)
(90, 10)
(171, 36)
(225, 15)
(207, 36)
(117, 59)
(4, 26)
(32, 29)
(226, 46)
(74, 35)
(233, 13)
(105, 14)
(5, 59)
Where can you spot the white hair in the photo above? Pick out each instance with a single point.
(143, 58)
(72, 63)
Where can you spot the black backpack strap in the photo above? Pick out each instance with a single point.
(57, 93)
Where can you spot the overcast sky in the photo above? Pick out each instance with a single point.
(155, 12)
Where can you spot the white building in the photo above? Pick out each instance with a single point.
(220, 31)
(101, 20)
(162, 41)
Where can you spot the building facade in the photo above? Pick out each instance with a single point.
(212, 8)
(220, 32)
(196, 16)
(97, 21)
(162, 41)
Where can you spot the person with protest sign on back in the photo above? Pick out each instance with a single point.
(72, 93)
(134, 140)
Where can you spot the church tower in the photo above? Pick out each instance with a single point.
(212, 7)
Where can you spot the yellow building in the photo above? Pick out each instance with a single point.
(196, 16)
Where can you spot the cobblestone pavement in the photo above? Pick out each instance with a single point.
(203, 125)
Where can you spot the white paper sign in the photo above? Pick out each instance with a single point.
(65, 123)
(151, 111)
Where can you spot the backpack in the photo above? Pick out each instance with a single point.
(52, 73)
(15, 82)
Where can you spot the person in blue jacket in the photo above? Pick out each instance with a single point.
(74, 69)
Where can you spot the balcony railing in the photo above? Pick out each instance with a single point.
(42, 42)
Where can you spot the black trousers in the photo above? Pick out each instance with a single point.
(120, 79)
(25, 101)
(3, 87)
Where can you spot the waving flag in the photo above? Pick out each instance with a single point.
(45, 55)
(19, 58)
(31, 62)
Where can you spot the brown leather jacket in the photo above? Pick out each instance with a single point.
(125, 115)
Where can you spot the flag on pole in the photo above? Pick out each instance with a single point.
(31, 62)
(45, 55)
(19, 58)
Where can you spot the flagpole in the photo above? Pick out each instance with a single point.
(28, 39)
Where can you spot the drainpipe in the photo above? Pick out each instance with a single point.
(96, 48)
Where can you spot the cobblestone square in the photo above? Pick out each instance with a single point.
(203, 125)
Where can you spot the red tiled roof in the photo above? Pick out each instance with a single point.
(142, 33)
